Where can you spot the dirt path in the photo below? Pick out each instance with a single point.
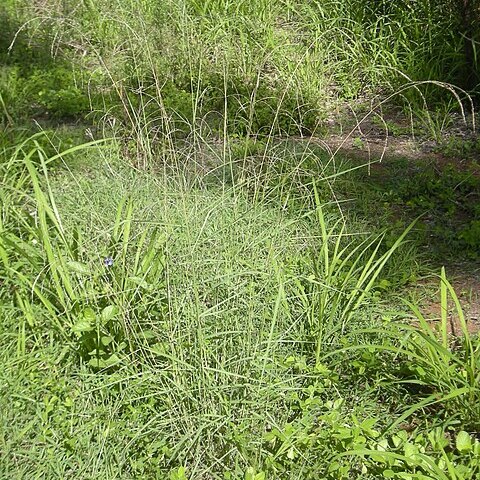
(394, 137)
(467, 288)
(375, 146)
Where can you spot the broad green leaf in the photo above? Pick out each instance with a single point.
(109, 312)
(410, 450)
(179, 474)
(334, 467)
(250, 474)
(290, 454)
(82, 325)
(159, 349)
(106, 340)
(463, 442)
(104, 363)
(112, 360)
(476, 448)
(148, 334)
(89, 315)
(96, 352)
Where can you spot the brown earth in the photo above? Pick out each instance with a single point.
(467, 288)
(375, 145)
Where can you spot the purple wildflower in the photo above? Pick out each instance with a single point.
(108, 261)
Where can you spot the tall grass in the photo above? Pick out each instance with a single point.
(214, 313)
(219, 338)
(203, 69)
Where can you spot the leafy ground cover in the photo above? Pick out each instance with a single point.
(195, 281)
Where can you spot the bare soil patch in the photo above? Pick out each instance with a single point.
(466, 284)
(377, 146)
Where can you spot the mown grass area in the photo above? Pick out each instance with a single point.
(194, 286)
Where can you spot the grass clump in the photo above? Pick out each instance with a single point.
(191, 331)
(215, 67)
(198, 292)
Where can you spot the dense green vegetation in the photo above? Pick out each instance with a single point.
(193, 284)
